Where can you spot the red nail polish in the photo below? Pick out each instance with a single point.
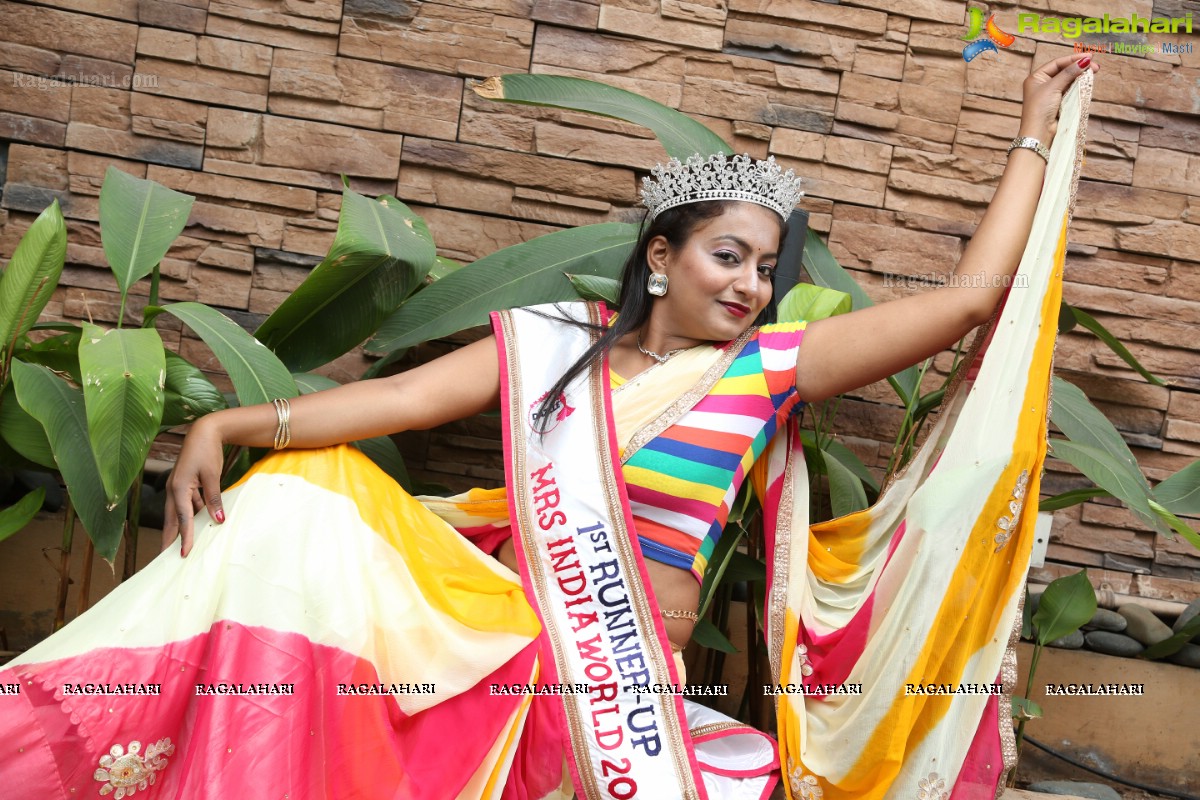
(220, 515)
(1084, 62)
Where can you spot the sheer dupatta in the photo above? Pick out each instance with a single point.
(917, 598)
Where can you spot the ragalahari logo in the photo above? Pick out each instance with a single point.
(992, 35)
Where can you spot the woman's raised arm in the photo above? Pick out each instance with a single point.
(457, 385)
(852, 350)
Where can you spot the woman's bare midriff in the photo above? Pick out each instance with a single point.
(675, 589)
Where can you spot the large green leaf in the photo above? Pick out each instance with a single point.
(521, 275)
(18, 515)
(1102, 469)
(139, 221)
(807, 301)
(1084, 425)
(1174, 643)
(257, 375)
(594, 287)
(31, 276)
(1092, 324)
(846, 493)
(124, 372)
(707, 635)
(825, 271)
(188, 394)
(22, 432)
(381, 253)
(60, 409)
(1176, 524)
(1067, 603)
(1070, 498)
(1180, 493)
(60, 353)
(680, 135)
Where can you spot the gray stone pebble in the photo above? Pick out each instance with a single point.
(1192, 610)
(1188, 656)
(1095, 791)
(1113, 644)
(1105, 620)
(1072, 641)
(1143, 624)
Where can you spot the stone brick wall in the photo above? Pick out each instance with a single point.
(256, 107)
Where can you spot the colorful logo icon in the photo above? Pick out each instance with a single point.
(991, 31)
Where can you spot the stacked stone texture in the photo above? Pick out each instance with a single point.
(257, 107)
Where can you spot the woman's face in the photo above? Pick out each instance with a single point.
(720, 279)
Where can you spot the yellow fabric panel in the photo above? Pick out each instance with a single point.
(960, 628)
(451, 574)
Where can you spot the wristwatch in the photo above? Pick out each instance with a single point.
(1030, 143)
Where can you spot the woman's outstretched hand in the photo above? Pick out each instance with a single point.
(194, 484)
(1043, 91)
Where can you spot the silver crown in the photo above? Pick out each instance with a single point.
(719, 177)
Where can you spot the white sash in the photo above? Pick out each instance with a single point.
(582, 568)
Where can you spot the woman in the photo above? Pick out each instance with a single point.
(439, 618)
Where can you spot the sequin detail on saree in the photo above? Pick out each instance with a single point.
(1008, 525)
(806, 787)
(125, 772)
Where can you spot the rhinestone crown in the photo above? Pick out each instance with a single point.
(720, 177)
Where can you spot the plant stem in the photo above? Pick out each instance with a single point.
(64, 565)
(85, 586)
(1033, 662)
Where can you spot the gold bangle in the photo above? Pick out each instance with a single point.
(283, 433)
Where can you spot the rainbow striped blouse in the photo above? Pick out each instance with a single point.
(683, 483)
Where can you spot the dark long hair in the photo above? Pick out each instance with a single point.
(676, 225)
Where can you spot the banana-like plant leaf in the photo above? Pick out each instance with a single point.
(60, 409)
(309, 382)
(524, 274)
(1067, 603)
(1083, 424)
(124, 375)
(1102, 469)
(850, 461)
(31, 277)
(846, 493)
(381, 253)
(1180, 493)
(1092, 324)
(1066, 317)
(442, 267)
(825, 271)
(1177, 525)
(807, 301)
(594, 287)
(18, 515)
(381, 364)
(680, 135)
(1172, 644)
(1073, 497)
(707, 635)
(139, 221)
(188, 394)
(24, 434)
(59, 353)
(257, 375)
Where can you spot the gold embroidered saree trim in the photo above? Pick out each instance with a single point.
(781, 567)
(688, 400)
(713, 727)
